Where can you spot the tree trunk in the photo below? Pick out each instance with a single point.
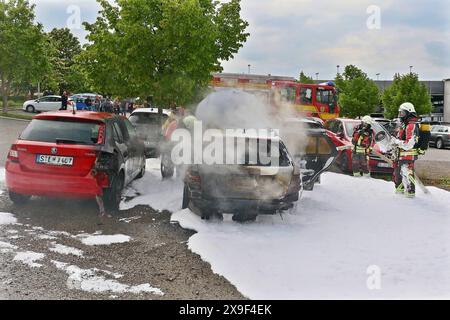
(3, 93)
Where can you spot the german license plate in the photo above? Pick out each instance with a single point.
(54, 160)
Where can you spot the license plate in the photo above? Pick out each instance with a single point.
(54, 160)
(384, 165)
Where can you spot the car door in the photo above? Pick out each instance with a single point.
(121, 146)
(55, 103)
(42, 104)
(130, 144)
(137, 146)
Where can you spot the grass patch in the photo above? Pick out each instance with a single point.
(15, 116)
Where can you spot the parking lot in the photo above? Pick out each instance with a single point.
(154, 263)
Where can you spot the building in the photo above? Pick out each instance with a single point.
(446, 109)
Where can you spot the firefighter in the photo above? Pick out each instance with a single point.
(363, 140)
(405, 150)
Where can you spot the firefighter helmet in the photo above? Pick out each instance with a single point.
(367, 120)
(406, 110)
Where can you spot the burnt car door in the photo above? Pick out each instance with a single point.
(317, 156)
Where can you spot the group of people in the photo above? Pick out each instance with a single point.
(117, 106)
(404, 148)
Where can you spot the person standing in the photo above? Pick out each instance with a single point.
(64, 101)
(362, 140)
(405, 149)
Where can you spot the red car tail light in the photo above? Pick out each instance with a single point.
(13, 154)
(101, 134)
(294, 186)
(193, 176)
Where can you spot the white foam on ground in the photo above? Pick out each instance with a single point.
(104, 240)
(331, 243)
(7, 245)
(29, 258)
(88, 280)
(155, 192)
(62, 249)
(7, 218)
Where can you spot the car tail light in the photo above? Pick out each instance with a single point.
(101, 134)
(13, 154)
(193, 176)
(105, 162)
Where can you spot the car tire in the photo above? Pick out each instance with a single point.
(344, 163)
(186, 198)
(167, 167)
(113, 195)
(439, 144)
(19, 199)
(30, 109)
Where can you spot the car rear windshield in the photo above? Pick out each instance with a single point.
(147, 118)
(62, 131)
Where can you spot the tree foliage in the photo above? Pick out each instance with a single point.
(406, 88)
(305, 79)
(164, 48)
(23, 46)
(358, 95)
(67, 74)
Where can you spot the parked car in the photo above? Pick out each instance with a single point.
(440, 136)
(47, 103)
(85, 155)
(343, 129)
(148, 123)
(80, 100)
(245, 190)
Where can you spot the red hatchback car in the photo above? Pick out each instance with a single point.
(82, 155)
(342, 129)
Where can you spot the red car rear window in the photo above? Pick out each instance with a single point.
(62, 131)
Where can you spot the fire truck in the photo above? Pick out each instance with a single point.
(305, 100)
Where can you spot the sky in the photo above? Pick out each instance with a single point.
(287, 36)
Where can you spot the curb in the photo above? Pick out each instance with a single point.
(11, 118)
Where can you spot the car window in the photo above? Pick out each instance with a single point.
(306, 95)
(147, 118)
(118, 136)
(44, 99)
(131, 130)
(53, 130)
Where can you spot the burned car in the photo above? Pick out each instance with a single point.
(245, 188)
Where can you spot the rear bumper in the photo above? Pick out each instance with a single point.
(233, 205)
(36, 184)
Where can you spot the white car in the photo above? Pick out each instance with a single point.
(47, 103)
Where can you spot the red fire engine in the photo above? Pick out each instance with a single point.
(308, 100)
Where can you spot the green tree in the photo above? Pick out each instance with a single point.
(358, 95)
(23, 46)
(406, 88)
(164, 48)
(305, 79)
(67, 72)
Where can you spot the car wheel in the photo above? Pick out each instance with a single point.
(344, 163)
(142, 173)
(186, 198)
(439, 144)
(19, 199)
(167, 167)
(30, 109)
(113, 195)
